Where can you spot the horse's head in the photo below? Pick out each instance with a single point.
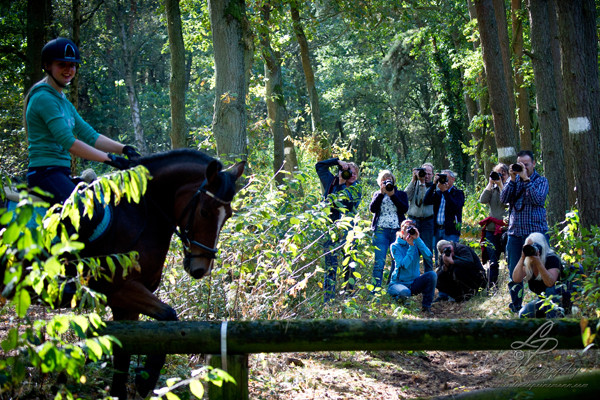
(201, 211)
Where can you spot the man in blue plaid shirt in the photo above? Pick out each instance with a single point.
(525, 193)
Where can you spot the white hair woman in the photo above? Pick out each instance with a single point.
(540, 267)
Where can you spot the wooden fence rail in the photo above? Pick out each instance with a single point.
(236, 339)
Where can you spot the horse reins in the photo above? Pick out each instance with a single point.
(190, 209)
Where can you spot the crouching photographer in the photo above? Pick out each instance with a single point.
(460, 274)
(540, 267)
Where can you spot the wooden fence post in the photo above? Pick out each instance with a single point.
(237, 367)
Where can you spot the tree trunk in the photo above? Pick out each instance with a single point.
(38, 18)
(505, 50)
(76, 37)
(177, 86)
(228, 22)
(283, 148)
(497, 86)
(578, 37)
(524, 125)
(562, 104)
(547, 108)
(315, 110)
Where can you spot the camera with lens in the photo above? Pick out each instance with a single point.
(494, 176)
(389, 185)
(447, 251)
(516, 167)
(411, 230)
(532, 250)
(421, 172)
(346, 174)
(442, 178)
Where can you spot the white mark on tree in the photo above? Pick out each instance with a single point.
(579, 125)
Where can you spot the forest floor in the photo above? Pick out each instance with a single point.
(356, 375)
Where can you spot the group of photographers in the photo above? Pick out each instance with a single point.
(433, 209)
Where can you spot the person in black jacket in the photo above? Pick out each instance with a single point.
(388, 206)
(460, 273)
(448, 202)
(342, 189)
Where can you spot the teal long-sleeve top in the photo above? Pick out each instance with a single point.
(53, 125)
(407, 260)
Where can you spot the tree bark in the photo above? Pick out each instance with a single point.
(284, 154)
(578, 37)
(38, 18)
(228, 22)
(177, 85)
(524, 125)
(496, 82)
(547, 109)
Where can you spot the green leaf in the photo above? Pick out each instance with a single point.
(94, 349)
(22, 302)
(171, 396)
(197, 388)
(11, 341)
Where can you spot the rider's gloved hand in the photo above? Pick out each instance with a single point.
(130, 152)
(117, 162)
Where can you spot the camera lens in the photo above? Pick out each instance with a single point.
(346, 174)
(442, 178)
(494, 176)
(448, 251)
(422, 172)
(532, 250)
(411, 231)
(516, 167)
(389, 185)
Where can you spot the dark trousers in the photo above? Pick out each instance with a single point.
(54, 180)
(460, 284)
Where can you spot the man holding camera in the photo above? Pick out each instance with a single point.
(460, 274)
(525, 193)
(407, 279)
(345, 190)
(448, 202)
(541, 268)
(420, 213)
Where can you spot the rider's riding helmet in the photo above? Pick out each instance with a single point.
(60, 49)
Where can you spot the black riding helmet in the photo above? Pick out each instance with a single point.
(60, 49)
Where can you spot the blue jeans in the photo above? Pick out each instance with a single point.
(425, 227)
(537, 309)
(440, 234)
(55, 180)
(331, 270)
(423, 284)
(382, 239)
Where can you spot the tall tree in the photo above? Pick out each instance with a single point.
(496, 82)
(39, 13)
(522, 100)
(178, 75)
(579, 45)
(547, 108)
(228, 25)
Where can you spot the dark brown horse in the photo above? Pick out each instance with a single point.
(189, 194)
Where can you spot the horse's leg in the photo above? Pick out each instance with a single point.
(121, 359)
(135, 296)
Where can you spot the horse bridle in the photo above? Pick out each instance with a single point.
(190, 209)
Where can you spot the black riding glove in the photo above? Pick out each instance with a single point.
(131, 152)
(117, 162)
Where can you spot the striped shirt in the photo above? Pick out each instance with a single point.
(527, 205)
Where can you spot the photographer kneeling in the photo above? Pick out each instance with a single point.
(540, 267)
(407, 279)
(460, 274)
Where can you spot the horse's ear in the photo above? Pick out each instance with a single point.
(238, 169)
(213, 169)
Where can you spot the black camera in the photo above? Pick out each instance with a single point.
(532, 250)
(447, 251)
(494, 176)
(346, 174)
(516, 167)
(411, 231)
(389, 185)
(442, 178)
(421, 172)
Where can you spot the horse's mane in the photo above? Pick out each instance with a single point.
(178, 155)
